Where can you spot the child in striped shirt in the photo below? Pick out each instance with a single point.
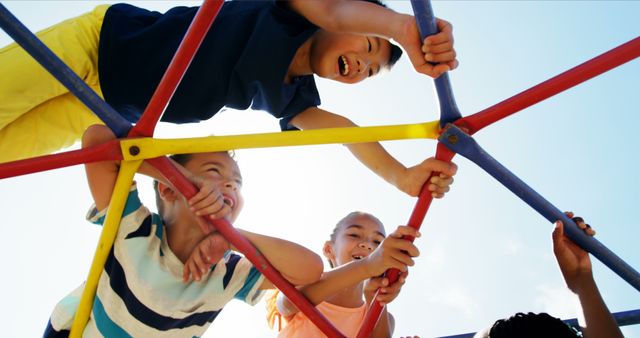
(141, 292)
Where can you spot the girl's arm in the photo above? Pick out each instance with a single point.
(385, 294)
(393, 252)
(385, 326)
(329, 284)
(377, 159)
(296, 263)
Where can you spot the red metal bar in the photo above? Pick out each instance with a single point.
(415, 221)
(572, 77)
(177, 68)
(102, 152)
(260, 262)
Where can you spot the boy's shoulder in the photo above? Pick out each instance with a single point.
(135, 215)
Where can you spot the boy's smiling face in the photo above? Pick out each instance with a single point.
(223, 170)
(348, 58)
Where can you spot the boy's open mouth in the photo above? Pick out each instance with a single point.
(228, 201)
(343, 65)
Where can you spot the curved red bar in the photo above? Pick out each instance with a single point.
(177, 68)
(260, 262)
(415, 221)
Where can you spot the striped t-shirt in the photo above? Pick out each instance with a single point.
(141, 293)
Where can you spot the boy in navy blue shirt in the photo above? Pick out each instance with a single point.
(258, 54)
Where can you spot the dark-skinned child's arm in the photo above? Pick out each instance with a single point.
(575, 266)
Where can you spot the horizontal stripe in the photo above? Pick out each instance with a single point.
(144, 314)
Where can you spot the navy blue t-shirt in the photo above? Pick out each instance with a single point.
(241, 63)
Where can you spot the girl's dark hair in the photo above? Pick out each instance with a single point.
(532, 325)
(396, 52)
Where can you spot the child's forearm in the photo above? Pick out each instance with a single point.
(329, 284)
(371, 154)
(101, 176)
(296, 263)
(336, 280)
(378, 160)
(358, 17)
(599, 321)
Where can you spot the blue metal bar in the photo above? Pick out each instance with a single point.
(464, 335)
(460, 142)
(623, 318)
(427, 25)
(62, 72)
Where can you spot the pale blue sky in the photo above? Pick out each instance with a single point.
(485, 254)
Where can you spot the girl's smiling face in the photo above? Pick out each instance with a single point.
(354, 238)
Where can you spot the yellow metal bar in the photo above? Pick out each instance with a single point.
(142, 148)
(107, 237)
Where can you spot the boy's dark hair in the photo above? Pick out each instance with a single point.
(181, 159)
(532, 325)
(396, 52)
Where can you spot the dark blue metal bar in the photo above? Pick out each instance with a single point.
(623, 318)
(427, 25)
(464, 335)
(62, 72)
(460, 142)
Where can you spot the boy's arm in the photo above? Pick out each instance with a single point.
(296, 263)
(101, 176)
(575, 266)
(361, 17)
(378, 160)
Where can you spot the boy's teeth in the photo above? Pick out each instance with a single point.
(345, 70)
